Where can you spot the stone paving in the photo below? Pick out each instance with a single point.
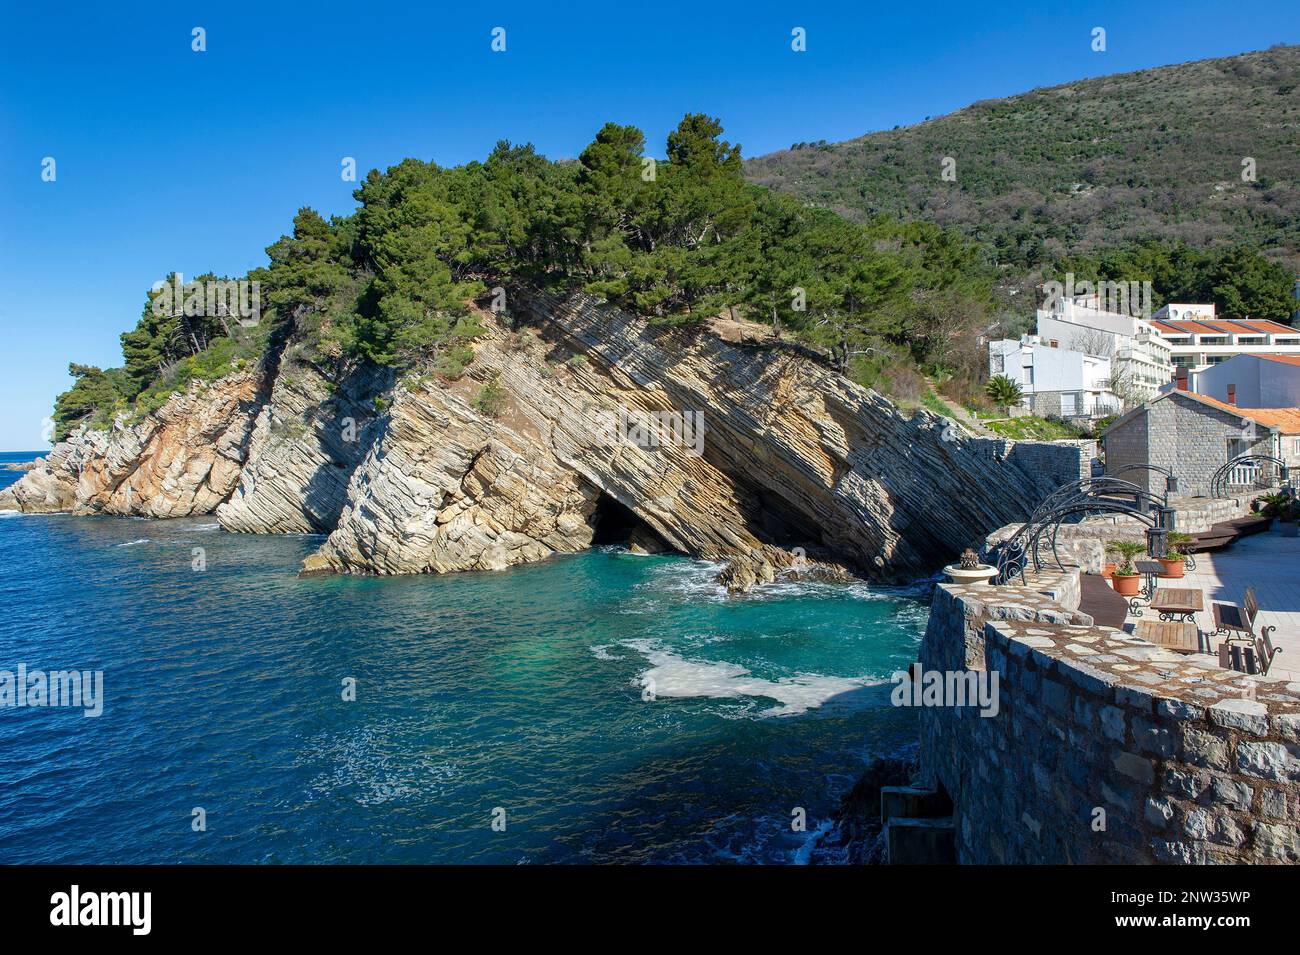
(1270, 563)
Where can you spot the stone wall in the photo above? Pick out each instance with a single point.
(1057, 462)
(1083, 544)
(1105, 748)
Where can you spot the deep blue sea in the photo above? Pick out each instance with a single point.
(526, 691)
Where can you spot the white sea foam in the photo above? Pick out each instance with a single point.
(601, 652)
(675, 677)
(803, 855)
(142, 540)
(206, 527)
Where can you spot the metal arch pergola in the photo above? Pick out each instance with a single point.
(1171, 481)
(1219, 480)
(1072, 503)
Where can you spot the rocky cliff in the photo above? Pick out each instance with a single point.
(720, 442)
(183, 459)
(306, 440)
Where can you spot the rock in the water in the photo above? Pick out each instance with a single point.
(643, 540)
(724, 442)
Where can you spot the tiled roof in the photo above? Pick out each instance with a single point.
(1286, 420)
(1222, 326)
(1284, 359)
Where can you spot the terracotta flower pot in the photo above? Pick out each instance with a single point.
(1172, 567)
(1108, 570)
(1126, 585)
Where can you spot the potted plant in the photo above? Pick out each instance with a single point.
(1175, 554)
(1269, 505)
(1125, 577)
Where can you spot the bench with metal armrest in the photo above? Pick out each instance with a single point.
(1238, 622)
(1253, 658)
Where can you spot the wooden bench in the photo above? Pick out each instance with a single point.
(1231, 620)
(1253, 658)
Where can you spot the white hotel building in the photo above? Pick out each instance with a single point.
(1056, 382)
(1135, 347)
(1199, 340)
(1140, 356)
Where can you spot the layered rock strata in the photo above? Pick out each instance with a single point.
(719, 441)
(180, 460)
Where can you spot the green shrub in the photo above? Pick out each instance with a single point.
(491, 399)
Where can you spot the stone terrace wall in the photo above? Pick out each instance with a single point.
(1084, 544)
(1191, 763)
(1059, 462)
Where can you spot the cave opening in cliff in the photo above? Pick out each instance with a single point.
(614, 521)
(617, 524)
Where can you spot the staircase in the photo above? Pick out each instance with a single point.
(918, 826)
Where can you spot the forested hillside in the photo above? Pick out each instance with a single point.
(1087, 166)
(679, 239)
(862, 250)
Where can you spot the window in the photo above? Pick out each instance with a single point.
(1069, 403)
(1237, 446)
(1029, 374)
(1055, 343)
(1214, 339)
(1295, 445)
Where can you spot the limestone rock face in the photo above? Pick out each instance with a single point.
(721, 442)
(756, 456)
(787, 453)
(446, 488)
(180, 460)
(306, 442)
(51, 486)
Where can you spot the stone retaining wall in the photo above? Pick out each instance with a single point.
(1084, 544)
(1105, 748)
(1061, 462)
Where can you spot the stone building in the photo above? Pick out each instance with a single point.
(1191, 435)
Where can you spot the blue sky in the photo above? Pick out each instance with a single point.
(168, 159)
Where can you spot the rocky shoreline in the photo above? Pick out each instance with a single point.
(792, 464)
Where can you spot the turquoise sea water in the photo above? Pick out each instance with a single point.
(526, 690)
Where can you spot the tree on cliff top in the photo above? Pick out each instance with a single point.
(677, 239)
